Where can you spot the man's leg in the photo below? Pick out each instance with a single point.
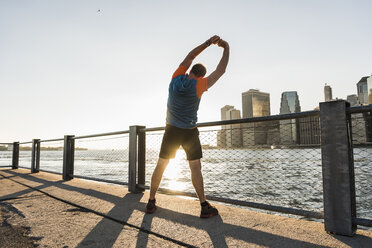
(157, 175)
(197, 178)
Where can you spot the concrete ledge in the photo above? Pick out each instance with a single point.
(72, 214)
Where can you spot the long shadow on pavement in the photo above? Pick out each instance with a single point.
(123, 208)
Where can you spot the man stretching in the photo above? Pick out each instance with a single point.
(185, 91)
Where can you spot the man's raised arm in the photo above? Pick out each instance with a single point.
(197, 50)
(221, 67)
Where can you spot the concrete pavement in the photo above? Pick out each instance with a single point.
(79, 213)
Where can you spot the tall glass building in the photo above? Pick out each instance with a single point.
(364, 87)
(289, 103)
(289, 129)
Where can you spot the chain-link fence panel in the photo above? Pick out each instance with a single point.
(103, 158)
(51, 156)
(25, 155)
(6, 154)
(362, 143)
(265, 162)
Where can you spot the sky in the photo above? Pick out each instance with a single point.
(85, 67)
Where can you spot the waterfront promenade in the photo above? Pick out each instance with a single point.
(78, 213)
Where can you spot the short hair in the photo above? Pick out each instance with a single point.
(198, 70)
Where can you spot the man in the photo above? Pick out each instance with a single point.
(185, 91)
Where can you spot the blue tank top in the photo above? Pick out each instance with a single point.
(183, 102)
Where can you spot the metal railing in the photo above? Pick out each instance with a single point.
(249, 166)
(362, 150)
(51, 155)
(274, 162)
(102, 157)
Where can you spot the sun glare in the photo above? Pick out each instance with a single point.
(174, 171)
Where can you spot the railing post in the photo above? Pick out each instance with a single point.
(136, 172)
(35, 159)
(68, 157)
(141, 159)
(337, 168)
(15, 157)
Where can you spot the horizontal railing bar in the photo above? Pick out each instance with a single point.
(359, 109)
(280, 209)
(363, 222)
(5, 166)
(52, 140)
(101, 180)
(101, 134)
(247, 120)
(152, 129)
(261, 119)
(23, 143)
(6, 143)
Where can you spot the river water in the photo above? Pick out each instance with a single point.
(284, 177)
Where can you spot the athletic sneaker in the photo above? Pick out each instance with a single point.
(151, 207)
(207, 210)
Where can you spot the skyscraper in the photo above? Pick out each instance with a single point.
(290, 103)
(255, 104)
(289, 129)
(230, 135)
(233, 132)
(221, 135)
(362, 123)
(364, 87)
(224, 110)
(327, 93)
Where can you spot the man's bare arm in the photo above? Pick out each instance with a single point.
(197, 50)
(221, 67)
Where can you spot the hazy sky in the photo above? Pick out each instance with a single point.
(67, 68)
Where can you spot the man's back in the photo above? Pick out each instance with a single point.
(183, 99)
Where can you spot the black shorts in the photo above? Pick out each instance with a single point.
(175, 137)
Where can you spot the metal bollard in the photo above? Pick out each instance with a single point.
(15, 157)
(137, 153)
(68, 157)
(35, 159)
(337, 168)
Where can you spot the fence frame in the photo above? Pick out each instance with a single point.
(337, 166)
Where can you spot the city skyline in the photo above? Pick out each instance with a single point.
(364, 92)
(288, 132)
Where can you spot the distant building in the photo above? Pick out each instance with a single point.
(221, 135)
(364, 86)
(362, 122)
(230, 135)
(256, 104)
(224, 110)
(327, 93)
(289, 130)
(233, 132)
(353, 100)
